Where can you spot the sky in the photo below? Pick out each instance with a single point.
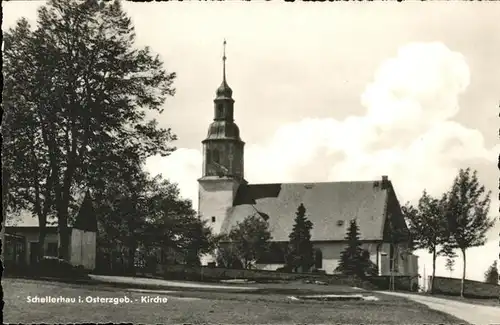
(334, 92)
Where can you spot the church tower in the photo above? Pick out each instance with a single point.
(222, 158)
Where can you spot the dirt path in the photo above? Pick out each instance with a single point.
(474, 314)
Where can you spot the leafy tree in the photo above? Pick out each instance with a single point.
(300, 254)
(427, 225)
(31, 186)
(467, 207)
(197, 240)
(450, 264)
(84, 88)
(139, 211)
(491, 275)
(251, 239)
(354, 260)
(179, 227)
(122, 211)
(226, 255)
(6, 172)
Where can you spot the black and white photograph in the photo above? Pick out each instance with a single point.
(251, 162)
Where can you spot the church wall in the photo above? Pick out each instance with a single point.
(405, 264)
(215, 198)
(331, 255)
(332, 251)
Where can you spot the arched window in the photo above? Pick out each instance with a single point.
(318, 259)
(209, 155)
(220, 110)
(215, 155)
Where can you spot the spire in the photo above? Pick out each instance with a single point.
(224, 62)
(224, 91)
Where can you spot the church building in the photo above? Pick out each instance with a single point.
(226, 198)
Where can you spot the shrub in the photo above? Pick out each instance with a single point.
(285, 269)
(415, 287)
(56, 267)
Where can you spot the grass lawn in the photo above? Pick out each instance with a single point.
(203, 307)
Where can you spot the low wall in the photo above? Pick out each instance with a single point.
(472, 289)
(401, 283)
(215, 273)
(209, 274)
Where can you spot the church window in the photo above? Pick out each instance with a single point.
(318, 259)
(209, 155)
(215, 155)
(213, 219)
(220, 110)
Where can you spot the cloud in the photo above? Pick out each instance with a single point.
(407, 133)
(183, 167)
(419, 87)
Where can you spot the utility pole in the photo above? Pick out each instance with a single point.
(425, 281)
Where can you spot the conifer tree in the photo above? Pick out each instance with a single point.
(491, 276)
(354, 260)
(300, 255)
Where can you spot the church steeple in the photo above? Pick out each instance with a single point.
(224, 91)
(223, 148)
(224, 102)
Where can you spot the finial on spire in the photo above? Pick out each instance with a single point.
(224, 90)
(224, 61)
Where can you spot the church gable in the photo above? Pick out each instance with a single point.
(330, 206)
(395, 228)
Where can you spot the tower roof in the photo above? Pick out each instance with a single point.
(86, 219)
(224, 91)
(223, 130)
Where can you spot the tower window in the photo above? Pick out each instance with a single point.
(215, 155)
(209, 155)
(213, 219)
(220, 110)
